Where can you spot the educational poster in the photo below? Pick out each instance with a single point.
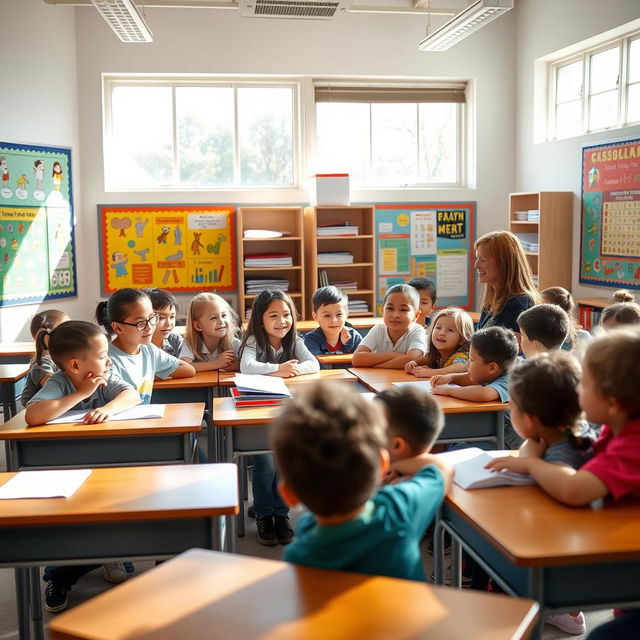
(181, 249)
(432, 241)
(610, 236)
(37, 255)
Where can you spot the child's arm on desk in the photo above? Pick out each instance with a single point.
(184, 370)
(364, 357)
(123, 401)
(411, 466)
(466, 391)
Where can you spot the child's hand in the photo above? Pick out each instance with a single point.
(96, 415)
(391, 477)
(509, 463)
(221, 361)
(441, 379)
(422, 372)
(232, 365)
(90, 384)
(440, 391)
(410, 366)
(531, 448)
(289, 369)
(345, 336)
(228, 359)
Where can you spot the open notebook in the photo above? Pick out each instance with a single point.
(469, 472)
(139, 412)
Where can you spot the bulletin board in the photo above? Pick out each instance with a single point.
(429, 240)
(178, 248)
(610, 235)
(37, 251)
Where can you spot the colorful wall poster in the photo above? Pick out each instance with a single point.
(37, 251)
(432, 240)
(178, 248)
(610, 234)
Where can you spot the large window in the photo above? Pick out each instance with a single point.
(597, 89)
(391, 137)
(208, 136)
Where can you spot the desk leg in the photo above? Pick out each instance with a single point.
(36, 602)
(500, 429)
(438, 552)
(22, 602)
(456, 563)
(7, 388)
(536, 592)
(11, 452)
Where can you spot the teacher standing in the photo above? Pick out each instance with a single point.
(509, 290)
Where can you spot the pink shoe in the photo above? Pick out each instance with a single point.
(571, 624)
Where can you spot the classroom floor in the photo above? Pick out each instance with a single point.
(93, 583)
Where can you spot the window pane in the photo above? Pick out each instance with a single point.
(205, 135)
(634, 61)
(438, 142)
(633, 103)
(604, 71)
(342, 139)
(603, 110)
(569, 119)
(394, 144)
(140, 151)
(265, 126)
(569, 82)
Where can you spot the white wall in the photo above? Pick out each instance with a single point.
(38, 104)
(542, 27)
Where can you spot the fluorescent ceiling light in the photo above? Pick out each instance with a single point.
(125, 20)
(474, 17)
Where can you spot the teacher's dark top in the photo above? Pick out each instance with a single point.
(507, 316)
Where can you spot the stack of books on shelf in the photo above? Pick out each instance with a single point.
(337, 229)
(350, 285)
(261, 234)
(335, 257)
(262, 260)
(532, 215)
(254, 390)
(529, 242)
(589, 317)
(254, 287)
(358, 306)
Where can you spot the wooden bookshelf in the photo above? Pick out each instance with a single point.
(288, 220)
(362, 246)
(551, 265)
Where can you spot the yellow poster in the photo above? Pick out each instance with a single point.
(181, 249)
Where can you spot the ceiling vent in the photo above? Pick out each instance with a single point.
(303, 9)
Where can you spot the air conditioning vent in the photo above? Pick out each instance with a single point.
(307, 9)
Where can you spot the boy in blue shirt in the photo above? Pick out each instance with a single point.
(335, 334)
(330, 444)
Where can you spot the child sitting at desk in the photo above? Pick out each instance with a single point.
(335, 334)
(624, 310)
(41, 367)
(330, 448)
(428, 293)
(563, 298)
(165, 305)
(544, 327)
(449, 336)
(399, 339)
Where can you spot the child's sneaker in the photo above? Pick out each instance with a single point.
(569, 623)
(266, 531)
(129, 568)
(284, 530)
(56, 598)
(114, 572)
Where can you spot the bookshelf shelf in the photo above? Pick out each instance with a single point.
(286, 219)
(362, 246)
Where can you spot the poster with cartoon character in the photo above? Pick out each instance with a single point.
(610, 233)
(37, 250)
(181, 249)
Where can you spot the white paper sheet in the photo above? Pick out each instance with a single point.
(452, 274)
(44, 484)
(139, 412)
(423, 233)
(265, 384)
(419, 384)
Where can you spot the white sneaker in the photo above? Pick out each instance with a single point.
(573, 625)
(114, 572)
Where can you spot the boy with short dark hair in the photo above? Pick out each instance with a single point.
(544, 327)
(165, 305)
(428, 293)
(329, 444)
(335, 334)
(492, 352)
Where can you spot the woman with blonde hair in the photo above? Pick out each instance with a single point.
(503, 268)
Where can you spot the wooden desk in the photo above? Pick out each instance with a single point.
(9, 375)
(464, 420)
(115, 443)
(117, 514)
(335, 359)
(342, 375)
(199, 591)
(565, 558)
(17, 352)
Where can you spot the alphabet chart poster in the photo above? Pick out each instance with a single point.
(610, 238)
(37, 255)
(432, 240)
(178, 248)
